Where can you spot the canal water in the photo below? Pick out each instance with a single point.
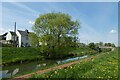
(20, 69)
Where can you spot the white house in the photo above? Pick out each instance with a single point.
(10, 36)
(3, 38)
(21, 38)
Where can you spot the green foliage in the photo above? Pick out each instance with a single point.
(92, 45)
(113, 45)
(57, 33)
(7, 45)
(83, 51)
(110, 44)
(81, 45)
(34, 39)
(16, 55)
(104, 66)
(106, 49)
(99, 44)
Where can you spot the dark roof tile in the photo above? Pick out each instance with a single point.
(13, 33)
(23, 33)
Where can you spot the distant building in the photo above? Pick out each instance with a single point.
(10, 37)
(21, 38)
(3, 38)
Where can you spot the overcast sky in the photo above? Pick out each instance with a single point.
(99, 20)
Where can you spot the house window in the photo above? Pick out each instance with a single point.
(26, 44)
(26, 38)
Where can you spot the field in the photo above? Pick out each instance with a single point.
(16, 55)
(103, 66)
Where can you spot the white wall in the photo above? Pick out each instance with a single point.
(19, 38)
(9, 36)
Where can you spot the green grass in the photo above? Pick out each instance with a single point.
(104, 66)
(105, 50)
(15, 55)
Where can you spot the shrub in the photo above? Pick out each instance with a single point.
(106, 49)
(7, 45)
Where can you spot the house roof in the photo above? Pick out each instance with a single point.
(23, 33)
(13, 33)
(3, 37)
(4, 34)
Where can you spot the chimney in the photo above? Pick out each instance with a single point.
(15, 28)
(14, 42)
(26, 31)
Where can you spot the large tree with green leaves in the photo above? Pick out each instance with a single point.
(34, 39)
(57, 32)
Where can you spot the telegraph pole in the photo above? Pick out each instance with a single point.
(14, 42)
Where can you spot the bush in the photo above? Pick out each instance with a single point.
(7, 45)
(106, 50)
(55, 53)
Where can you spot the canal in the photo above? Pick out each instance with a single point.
(24, 68)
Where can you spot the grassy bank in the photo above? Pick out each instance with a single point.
(17, 55)
(12, 55)
(104, 66)
(84, 51)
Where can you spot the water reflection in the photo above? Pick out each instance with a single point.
(10, 71)
(24, 68)
(71, 59)
(8, 74)
(4, 74)
(40, 65)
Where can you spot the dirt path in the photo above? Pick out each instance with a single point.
(24, 77)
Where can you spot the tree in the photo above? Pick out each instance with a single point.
(97, 44)
(92, 45)
(57, 32)
(34, 40)
(113, 45)
(106, 44)
(110, 44)
(100, 43)
(81, 44)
